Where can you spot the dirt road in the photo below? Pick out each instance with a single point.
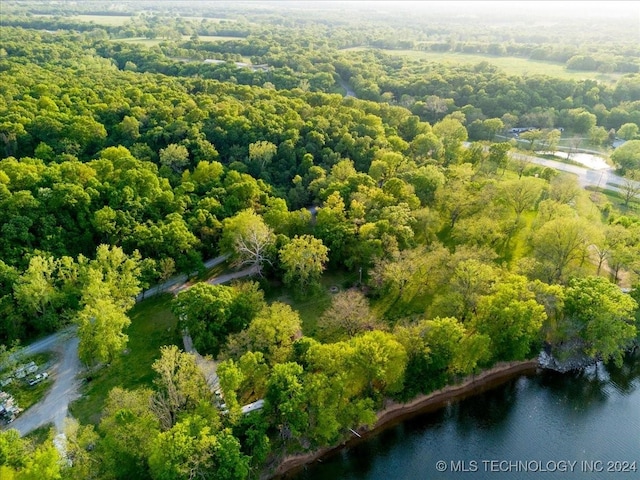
(65, 389)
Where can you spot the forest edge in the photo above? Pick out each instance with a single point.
(394, 412)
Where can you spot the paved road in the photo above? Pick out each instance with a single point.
(176, 283)
(54, 407)
(227, 277)
(348, 92)
(46, 344)
(586, 176)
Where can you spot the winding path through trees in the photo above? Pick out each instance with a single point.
(53, 408)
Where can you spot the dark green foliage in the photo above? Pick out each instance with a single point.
(168, 158)
(212, 312)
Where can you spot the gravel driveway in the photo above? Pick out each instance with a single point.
(54, 406)
(65, 389)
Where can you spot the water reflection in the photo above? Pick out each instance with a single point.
(626, 379)
(589, 415)
(489, 410)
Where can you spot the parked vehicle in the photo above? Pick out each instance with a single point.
(38, 378)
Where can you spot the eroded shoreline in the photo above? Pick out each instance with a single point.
(394, 412)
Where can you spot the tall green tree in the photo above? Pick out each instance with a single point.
(80, 444)
(303, 259)
(602, 316)
(101, 325)
(628, 131)
(128, 427)
(180, 383)
(560, 243)
(192, 449)
(522, 194)
(511, 317)
(285, 400)
(379, 362)
(272, 333)
(212, 312)
(175, 157)
(627, 156)
(119, 274)
(452, 133)
(248, 239)
(262, 152)
(630, 186)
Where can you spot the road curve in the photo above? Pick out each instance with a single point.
(586, 176)
(54, 407)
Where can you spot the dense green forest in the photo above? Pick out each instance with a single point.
(295, 142)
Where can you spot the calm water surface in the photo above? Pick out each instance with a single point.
(572, 426)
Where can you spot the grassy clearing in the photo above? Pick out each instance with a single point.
(148, 42)
(519, 243)
(152, 326)
(106, 20)
(208, 19)
(510, 65)
(214, 38)
(312, 306)
(616, 199)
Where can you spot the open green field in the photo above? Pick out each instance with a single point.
(150, 42)
(311, 306)
(208, 19)
(616, 199)
(106, 20)
(117, 20)
(214, 38)
(152, 326)
(510, 65)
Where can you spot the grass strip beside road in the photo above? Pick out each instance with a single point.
(152, 326)
(26, 395)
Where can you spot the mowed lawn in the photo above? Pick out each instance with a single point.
(106, 20)
(510, 65)
(214, 38)
(150, 42)
(310, 307)
(152, 326)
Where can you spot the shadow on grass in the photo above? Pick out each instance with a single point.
(41, 434)
(312, 303)
(152, 326)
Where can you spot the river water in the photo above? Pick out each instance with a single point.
(547, 426)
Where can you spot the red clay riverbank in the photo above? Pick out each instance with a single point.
(394, 413)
